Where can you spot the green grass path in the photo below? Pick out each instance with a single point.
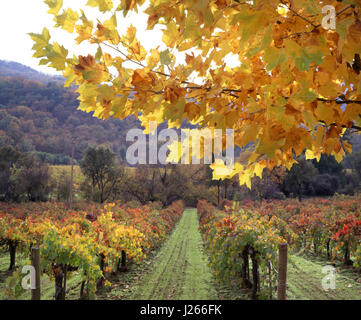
(180, 271)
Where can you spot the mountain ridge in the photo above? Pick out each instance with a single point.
(16, 69)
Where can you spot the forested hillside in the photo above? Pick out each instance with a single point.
(41, 115)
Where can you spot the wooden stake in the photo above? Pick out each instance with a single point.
(282, 271)
(35, 261)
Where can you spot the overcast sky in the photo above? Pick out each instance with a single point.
(20, 17)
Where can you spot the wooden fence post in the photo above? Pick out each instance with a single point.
(282, 271)
(35, 262)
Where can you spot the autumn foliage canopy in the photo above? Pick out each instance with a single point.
(296, 87)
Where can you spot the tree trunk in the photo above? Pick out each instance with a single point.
(102, 197)
(59, 283)
(65, 275)
(245, 268)
(347, 260)
(328, 249)
(12, 251)
(300, 194)
(100, 282)
(244, 264)
(84, 293)
(299, 191)
(82, 290)
(123, 262)
(255, 275)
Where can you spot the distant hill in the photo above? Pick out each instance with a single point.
(37, 114)
(15, 69)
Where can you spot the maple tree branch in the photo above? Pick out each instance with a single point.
(339, 101)
(343, 126)
(297, 34)
(168, 75)
(135, 55)
(227, 91)
(131, 60)
(298, 15)
(231, 90)
(356, 128)
(343, 10)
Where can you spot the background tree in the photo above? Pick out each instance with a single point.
(141, 184)
(31, 179)
(299, 179)
(356, 163)
(325, 184)
(63, 186)
(215, 183)
(269, 187)
(99, 167)
(9, 157)
(353, 177)
(328, 164)
(166, 184)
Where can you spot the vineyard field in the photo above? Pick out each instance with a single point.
(94, 242)
(154, 253)
(242, 241)
(47, 285)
